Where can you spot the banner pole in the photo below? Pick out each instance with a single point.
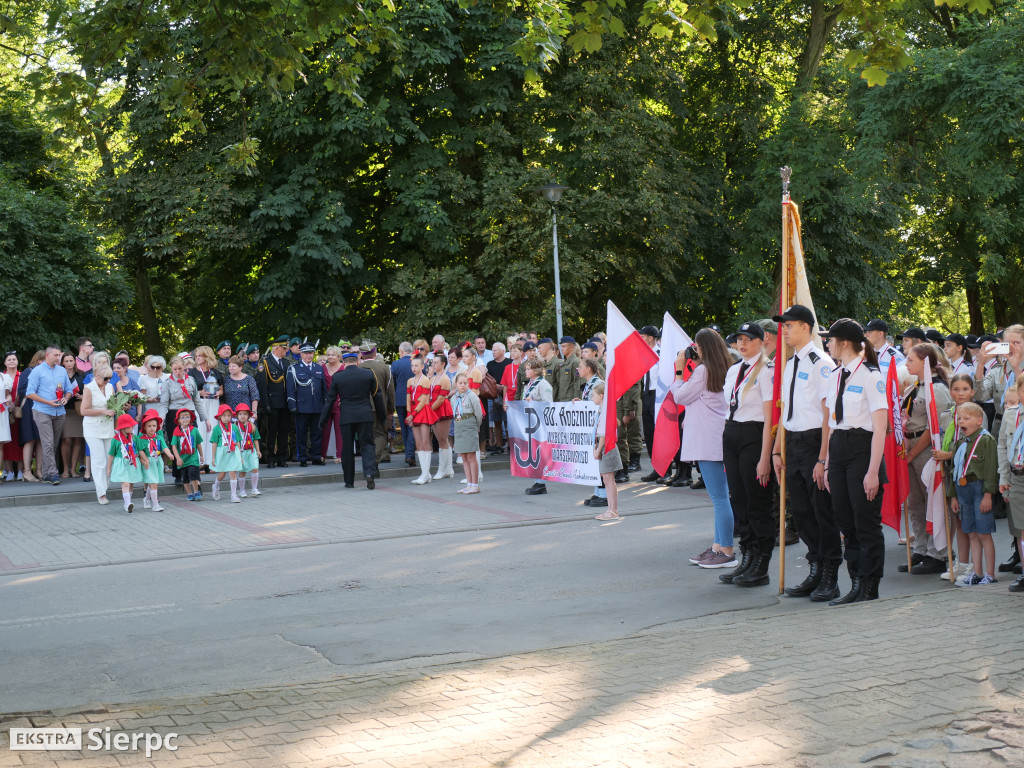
(906, 533)
(780, 360)
(949, 531)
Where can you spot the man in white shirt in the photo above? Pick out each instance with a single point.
(805, 385)
(877, 333)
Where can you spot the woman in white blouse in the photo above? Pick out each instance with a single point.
(98, 425)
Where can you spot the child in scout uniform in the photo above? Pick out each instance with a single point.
(610, 463)
(127, 459)
(186, 444)
(468, 415)
(250, 442)
(227, 453)
(975, 481)
(153, 446)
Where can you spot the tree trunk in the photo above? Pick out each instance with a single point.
(977, 319)
(147, 311)
(823, 20)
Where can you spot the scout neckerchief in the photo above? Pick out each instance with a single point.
(184, 388)
(589, 386)
(232, 443)
(908, 401)
(187, 444)
(952, 434)
(127, 448)
(962, 460)
(530, 388)
(460, 401)
(153, 444)
(246, 436)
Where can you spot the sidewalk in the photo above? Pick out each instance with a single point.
(877, 683)
(299, 508)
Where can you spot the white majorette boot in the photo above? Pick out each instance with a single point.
(444, 463)
(423, 457)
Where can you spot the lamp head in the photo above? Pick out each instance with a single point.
(552, 192)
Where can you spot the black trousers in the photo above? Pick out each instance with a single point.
(307, 431)
(647, 400)
(860, 520)
(751, 501)
(363, 431)
(811, 506)
(277, 434)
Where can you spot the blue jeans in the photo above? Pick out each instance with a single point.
(713, 473)
(972, 520)
(407, 437)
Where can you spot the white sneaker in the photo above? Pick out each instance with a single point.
(959, 569)
(215, 493)
(241, 494)
(146, 503)
(158, 508)
(256, 492)
(235, 500)
(10, 477)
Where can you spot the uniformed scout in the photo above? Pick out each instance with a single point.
(805, 384)
(382, 373)
(771, 339)
(858, 419)
(746, 452)
(959, 355)
(529, 353)
(567, 381)
(223, 355)
(270, 379)
(927, 559)
(910, 338)
(306, 391)
(877, 334)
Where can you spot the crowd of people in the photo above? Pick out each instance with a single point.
(228, 410)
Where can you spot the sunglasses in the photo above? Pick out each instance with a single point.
(156, 367)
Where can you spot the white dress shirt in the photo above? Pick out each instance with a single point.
(863, 395)
(813, 369)
(749, 400)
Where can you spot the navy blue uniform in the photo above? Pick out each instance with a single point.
(306, 390)
(270, 380)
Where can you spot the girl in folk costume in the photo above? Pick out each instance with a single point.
(250, 441)
(961, 389)
(127, 459)
(227, 457)
(154, 446)
(186, 444)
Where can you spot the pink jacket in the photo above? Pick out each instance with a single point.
(705, 417)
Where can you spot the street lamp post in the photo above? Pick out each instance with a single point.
(553, 193)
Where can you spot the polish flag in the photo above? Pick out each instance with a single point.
(666, 420)
(897, 489)
(931, 476)
(628, 358)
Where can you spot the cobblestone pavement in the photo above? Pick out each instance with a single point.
(879, 683)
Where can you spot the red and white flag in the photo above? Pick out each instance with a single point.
(628, 358)
(897, 489)
(931, 476)
(666, 419)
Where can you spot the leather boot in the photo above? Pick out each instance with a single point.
(622, 476)
(423, 457)
(748, 556)
(666, 479)
(852, 595)
(808, 585)
(683, 476)
(1014, 559)
(651, 477)
(828, 586)
(634, 463)
(757, 573)
(868, 588)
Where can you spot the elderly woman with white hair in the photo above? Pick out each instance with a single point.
(152, 383)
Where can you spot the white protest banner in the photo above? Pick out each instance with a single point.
(553, 441)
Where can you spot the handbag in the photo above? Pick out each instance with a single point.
(16, 412)
(489, 388)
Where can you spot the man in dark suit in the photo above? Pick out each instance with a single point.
(360, 399)
(270, 381)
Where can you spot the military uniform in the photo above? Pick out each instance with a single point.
(248, 366)
(551, 368)
(567, 385)
(386, 385)
(629, 442)
(222, 364)
(270, 380)
(306, 392)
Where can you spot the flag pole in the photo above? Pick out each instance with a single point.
(780, 360)
(906, 534)
(949, 531)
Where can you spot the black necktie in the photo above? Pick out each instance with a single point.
(792, 386)
(839, 396)
(735, 402)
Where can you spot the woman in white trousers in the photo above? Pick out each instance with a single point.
(98, 425)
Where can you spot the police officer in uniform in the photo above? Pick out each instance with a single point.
(382, 373)
(877, 334)
(306, 391)
(356, 388)
(858, 419)
(223, 355)
(270, 380)
(648, 396)
(566, 386)
(805, 386)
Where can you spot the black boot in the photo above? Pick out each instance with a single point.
(748, 557)
(868, 588)
(828, 587)
(683, 476)
(634, 463)
(666, 479)
(757, 573)
(621, 476)
(1014, 559)
(851, 596)
(699, 485)
(652, 477)
(808, 585)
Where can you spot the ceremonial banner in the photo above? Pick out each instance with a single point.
(628, 358)
(898, 487)
(553, 441)
(666, 420)
(931, 476)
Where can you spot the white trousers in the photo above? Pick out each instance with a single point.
(98, 447)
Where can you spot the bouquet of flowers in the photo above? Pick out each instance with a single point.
(122, 402)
